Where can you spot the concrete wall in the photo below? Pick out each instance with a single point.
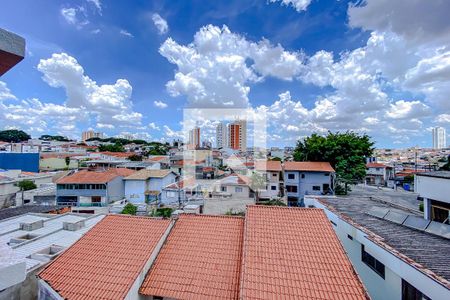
(433, 188)
(115, 189)
(231, 189)
(135, 189)
(56, 163)
(26, 290)
(305, 185)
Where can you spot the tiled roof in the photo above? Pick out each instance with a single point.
(293, 253)
(268, 165)
(200, 259)
(145, 174)
(118, 154)
(106, 261)
(86, 176)
(187, 182)
(313, 166)
(376, 165)
(157, 158)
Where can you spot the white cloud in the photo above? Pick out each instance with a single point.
(216, 69)
(443, 118)
(403, 110)
(153, 126)
(75, 16)
(70, 15)
(125, 33)
(103, 126)
(5, 92)
(172, 134)
(160, 104)
(299, 5)
(97, 4)
(160, 24)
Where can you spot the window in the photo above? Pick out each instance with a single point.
(303, 175)
(372, 262)
(273, 187)
(411, 293)
(350, 237)
(223, 189)
(238, 189)
(326, 174)
(316, 187)
(291, 176)
(291, 188)
(275, 174)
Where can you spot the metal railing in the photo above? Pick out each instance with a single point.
(93, 204)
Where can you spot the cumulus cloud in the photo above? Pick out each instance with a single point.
(160, 104)
(299, 5)
(217, 68)
(153, 126)
(160, 24)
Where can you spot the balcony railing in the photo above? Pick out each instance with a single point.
(93, 204)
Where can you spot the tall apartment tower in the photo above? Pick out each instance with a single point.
(439, 138)
(221, 135)
(90, 134)
(194, 137)
(237, 135)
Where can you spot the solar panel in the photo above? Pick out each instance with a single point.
(378, 212)
(440, 229)
(416, 222)
(395, 217)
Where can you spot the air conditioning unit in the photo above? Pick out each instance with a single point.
(30, 226)
(73, 226)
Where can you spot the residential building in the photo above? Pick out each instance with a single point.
(207, 257)
(434, 189)
(272, 173)
(379, 174)
(145, 186)
(31, 240)
(194, 137)
(92, 191)
(234, 186)
(237, 135)
(439, 138)
(180, 192)
(85, 135)
(396, 253)
(307, 178)
(12, 50)
(221, 135)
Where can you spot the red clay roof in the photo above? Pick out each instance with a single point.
(375, 165)
(200, 259)
(118, 154)
(85, 176)
(189, 182)
(314, 166)
(106, 261)
(293, 253)
(268, 165)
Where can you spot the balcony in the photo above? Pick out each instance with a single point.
(76, 204)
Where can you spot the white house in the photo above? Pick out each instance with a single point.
(146, 185)
(307, 178)
(234, 186)
(395, 257)
(434, 189)
(378, 174)
(180, 191)
(272, 172)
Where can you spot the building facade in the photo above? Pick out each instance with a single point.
(91, 134)
(194, 137)
(145, 186)
(439, 138)
(237, 135)
(434, 189)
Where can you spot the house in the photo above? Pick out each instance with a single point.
(434, 189)
(207, 257)
(30, 239)
(307, 178)
(180, 191)
(234, 186)
(396, 253)
(92, 191)
(379, 174)
(145, 186)
(272, 172)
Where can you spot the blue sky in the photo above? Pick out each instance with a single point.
(311, 66)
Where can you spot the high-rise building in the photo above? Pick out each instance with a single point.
(221, 135)
(237, 135)
(91, 134)
(194, 137)
(439, 138)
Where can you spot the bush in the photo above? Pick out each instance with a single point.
(129, 209)
(421, 206)
(26, 185)
(165, 212)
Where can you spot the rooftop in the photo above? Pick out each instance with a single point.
(87, 176)
(311, 166)
(201, 258)
(376, 165)
(437, 174)
(409, 244)
(20, 210)
(146, 174)
(111, 256)
(281, 261)
(268, 165)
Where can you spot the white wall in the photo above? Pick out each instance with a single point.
(433, 188)
(134, 191)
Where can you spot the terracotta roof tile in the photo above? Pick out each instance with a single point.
(376, 165)
(293, 253)
(85, 176)
(268, 165)
(106, 261)
(189, 182)
(314, 166)
(200, 259)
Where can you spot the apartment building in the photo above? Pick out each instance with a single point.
(434, 189)
(194, 137)
(221, 135)
(307, 178)
(439, 138)
(272, 172)
(237, 135)
(379, 174)
(85, 135)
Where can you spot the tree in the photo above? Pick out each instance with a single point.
(26, 185)
(135, 157)
(346, 152)
(446, 167)
(67, 159)
(111, 148)
(257, 183)
(14, 136)
(129, 209)
(165, 212)
(275, 159)
(58, 138)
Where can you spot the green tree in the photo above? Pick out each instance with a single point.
(26, 185)
(129, 209)
(275, 159)
(67, 159)
(135, 157)
(58, 138)
(14, 136)
(111, 148)
(446, 167)
(165, 212)
(346, 152)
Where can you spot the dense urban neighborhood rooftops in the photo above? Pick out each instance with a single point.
(309, 166)
(88, 176)
(270, 165)
(426, 251)
(146, 174)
